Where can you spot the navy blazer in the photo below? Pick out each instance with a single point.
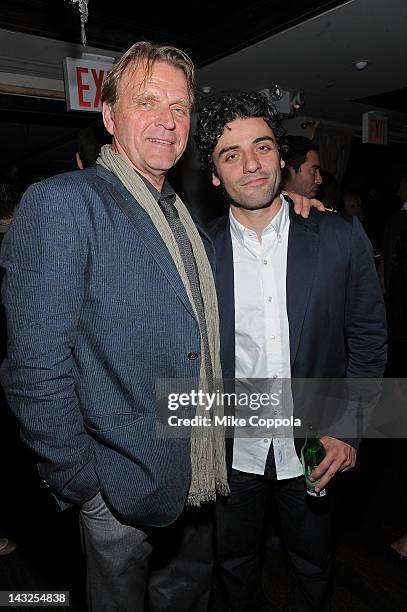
(97, 313)
(334, 304)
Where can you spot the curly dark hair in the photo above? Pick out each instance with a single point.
(213, 117)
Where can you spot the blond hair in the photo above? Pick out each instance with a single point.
(150, 53)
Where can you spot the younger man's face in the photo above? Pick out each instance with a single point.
(248, 164)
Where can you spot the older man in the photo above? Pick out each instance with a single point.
(105, 295)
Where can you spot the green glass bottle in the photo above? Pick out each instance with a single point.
(312, 453)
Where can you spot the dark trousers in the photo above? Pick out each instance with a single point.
(181, 564)
(306, 530)
(132, 570)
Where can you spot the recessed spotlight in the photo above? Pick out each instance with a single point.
(297, 100)
(361, 64)
(206, 89)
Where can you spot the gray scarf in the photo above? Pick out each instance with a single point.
(207, 443)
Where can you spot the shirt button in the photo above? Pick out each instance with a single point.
(265, 262)
(265, 441)
(269, 298)
(273, 338)
(192, 356)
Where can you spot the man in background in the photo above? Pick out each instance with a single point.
(10, 196)
(301, 172)
(394, 262)
(89, 141)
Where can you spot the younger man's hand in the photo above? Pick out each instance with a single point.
(339, 457)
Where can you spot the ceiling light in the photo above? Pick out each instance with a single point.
(206, 89)
(297, 100)
(361, 64)
(84, 13)
(276, 92)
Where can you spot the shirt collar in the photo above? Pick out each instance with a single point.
(277, 226)
(166, 192)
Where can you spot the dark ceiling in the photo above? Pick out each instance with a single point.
(40, 133)
(206, 31)
(395, 100)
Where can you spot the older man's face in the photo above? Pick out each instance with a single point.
(150, 120)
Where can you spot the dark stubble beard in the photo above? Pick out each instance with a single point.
(268, 203)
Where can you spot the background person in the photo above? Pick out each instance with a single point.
(301, 170)
(10, 196)
(352, 205)
(89, 141)
(395, 283)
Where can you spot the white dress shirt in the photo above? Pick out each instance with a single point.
(262, 334)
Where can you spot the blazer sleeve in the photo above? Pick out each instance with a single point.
(366, 331)
(366, 338)
(44, 258)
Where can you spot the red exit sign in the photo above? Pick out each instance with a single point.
(83, 81)
(374, 128)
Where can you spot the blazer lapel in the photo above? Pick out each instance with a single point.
(147, 232)
(226, 293)
(208, 244)
(303, 244)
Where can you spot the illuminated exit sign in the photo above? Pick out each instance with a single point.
(83, 78)
(374, 128)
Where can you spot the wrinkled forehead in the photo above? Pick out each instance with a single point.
(136, 76)
(140, 75)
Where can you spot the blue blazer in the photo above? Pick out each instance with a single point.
(97, 313)
(334, 304)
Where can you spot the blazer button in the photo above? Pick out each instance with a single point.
(193, 356)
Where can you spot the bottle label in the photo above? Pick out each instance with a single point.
(313, 493)
(312, 453)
